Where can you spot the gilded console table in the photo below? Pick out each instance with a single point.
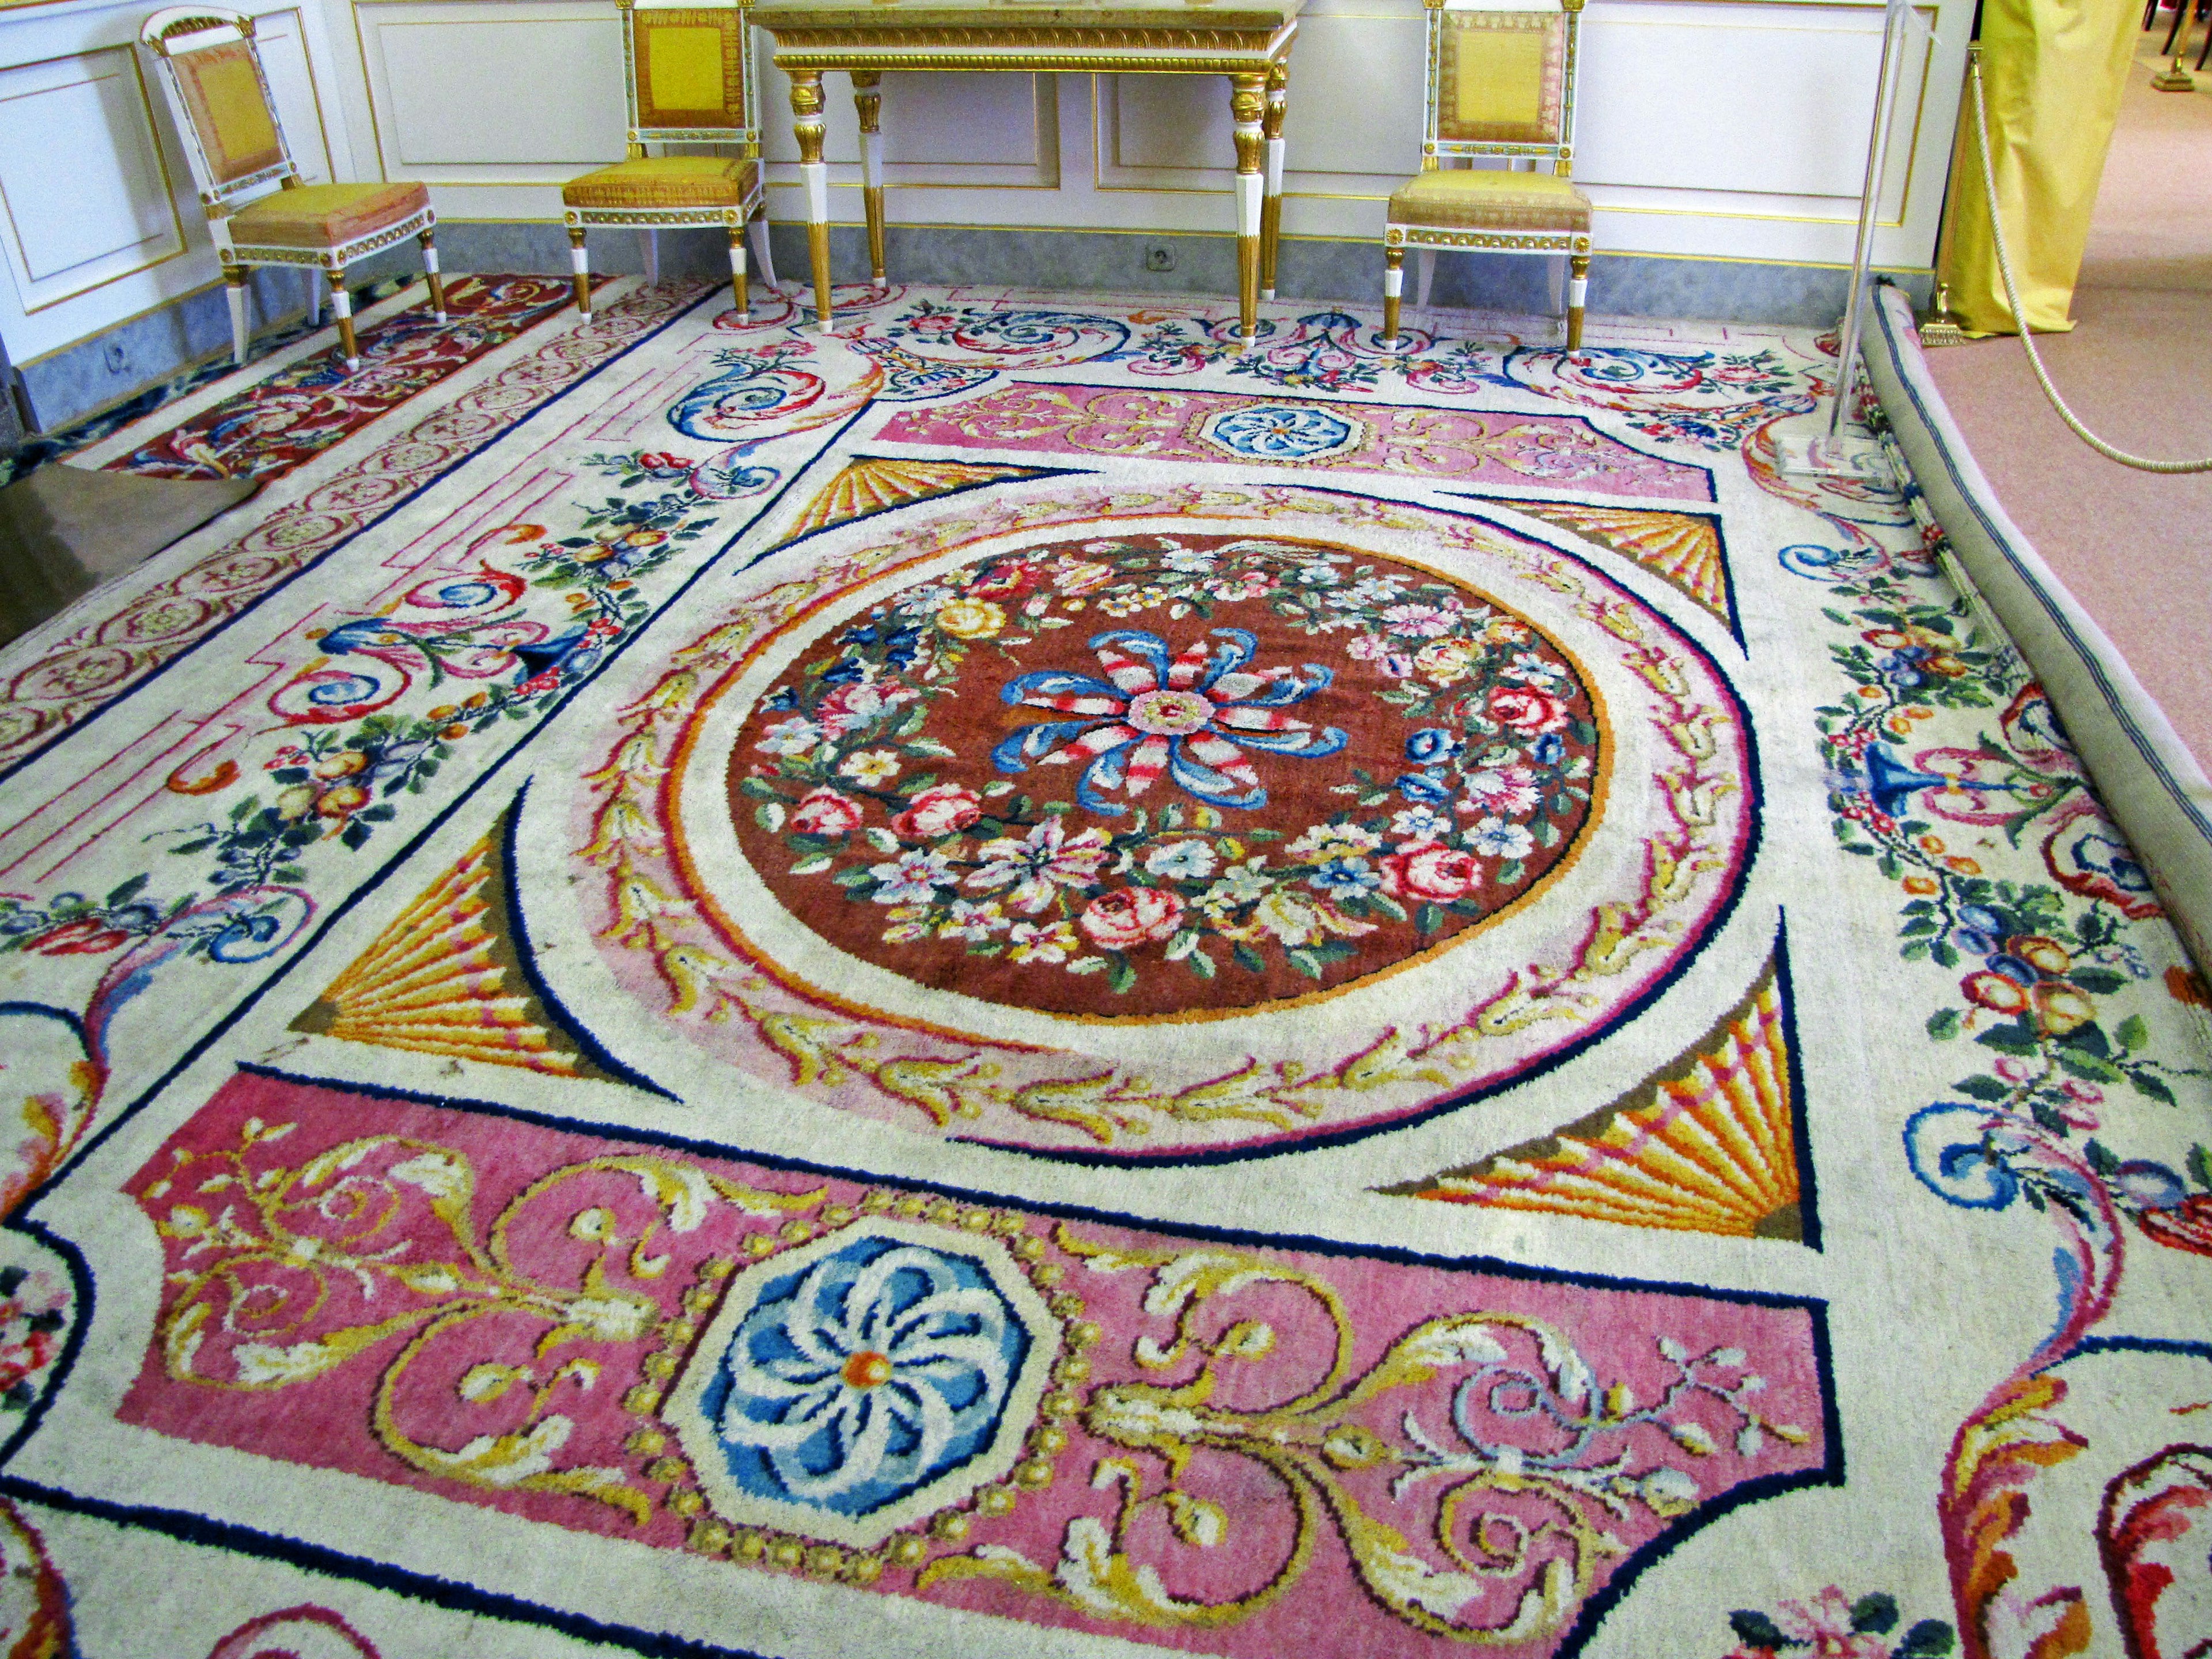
(1248, 41)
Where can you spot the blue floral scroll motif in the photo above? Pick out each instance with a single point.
(861, 1378)
(1187, 716)
(1281, 432)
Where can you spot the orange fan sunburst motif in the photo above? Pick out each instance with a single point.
(1709, 1146)
(444, 978)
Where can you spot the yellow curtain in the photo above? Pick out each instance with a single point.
(2052, 73)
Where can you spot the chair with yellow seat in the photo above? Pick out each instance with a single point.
(1501, 86)
(690, 74)
(260, 211)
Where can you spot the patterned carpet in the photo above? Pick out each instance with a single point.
(1013, 984)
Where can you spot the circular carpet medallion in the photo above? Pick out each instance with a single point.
(1169, 833)
(1164, 776)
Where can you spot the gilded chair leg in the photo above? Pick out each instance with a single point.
(1247, 104)
(430, 274)
(580, 269)
(764, 255)
(1394, 285)
(738, 273)
(341, 308)
(233, 277)
(1577, 290)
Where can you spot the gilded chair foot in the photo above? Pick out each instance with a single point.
(1267, 294)
(1246, 342)
(353, 365)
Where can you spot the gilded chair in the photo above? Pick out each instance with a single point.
(1501, 85)
(691, 72)
(212, 74)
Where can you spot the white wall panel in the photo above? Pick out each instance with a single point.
(284, 60)
(944, 132)
(1793, 121)
(81, 177)
(102, 223)
(469, 94)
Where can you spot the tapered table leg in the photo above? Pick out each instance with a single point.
(1271, 208)
(806, 124)
(868, 99)
(1247, 101)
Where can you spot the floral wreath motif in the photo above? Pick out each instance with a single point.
(1489, 796)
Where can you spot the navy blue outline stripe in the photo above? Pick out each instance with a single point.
(251, 999)
(526, 954)
(131, 690)
(2168, 1345)
(1808, 1202)
(191, 1529)
(697, 1146)
(2090, 661)
(1755, 802)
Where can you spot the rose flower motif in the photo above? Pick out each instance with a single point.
(826, 812)
(941, 810)
(1433, 874)
(1187, 716)
(1530, 712)
(1130, 916)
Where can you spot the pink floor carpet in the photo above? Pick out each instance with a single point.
(2138, 369)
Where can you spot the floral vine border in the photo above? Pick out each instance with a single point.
(2051, 1001)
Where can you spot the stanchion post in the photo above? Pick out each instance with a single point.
(1896, 15)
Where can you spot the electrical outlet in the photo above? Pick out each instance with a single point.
(1159, 257)
(114, 357)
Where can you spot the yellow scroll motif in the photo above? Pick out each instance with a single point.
(252, 1269)
(1474, 1553)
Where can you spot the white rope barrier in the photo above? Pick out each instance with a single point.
(2140, 463)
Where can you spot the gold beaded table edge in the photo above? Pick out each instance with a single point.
(1251, 48)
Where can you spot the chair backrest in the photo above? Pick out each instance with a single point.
(212, 74)
(690, 71)
(1501, 79)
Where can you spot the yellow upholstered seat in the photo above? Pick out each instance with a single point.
(325, 216)
(260, 211)
(1501, 87)
(665, 181)
(1481, 200)
(688, 71)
